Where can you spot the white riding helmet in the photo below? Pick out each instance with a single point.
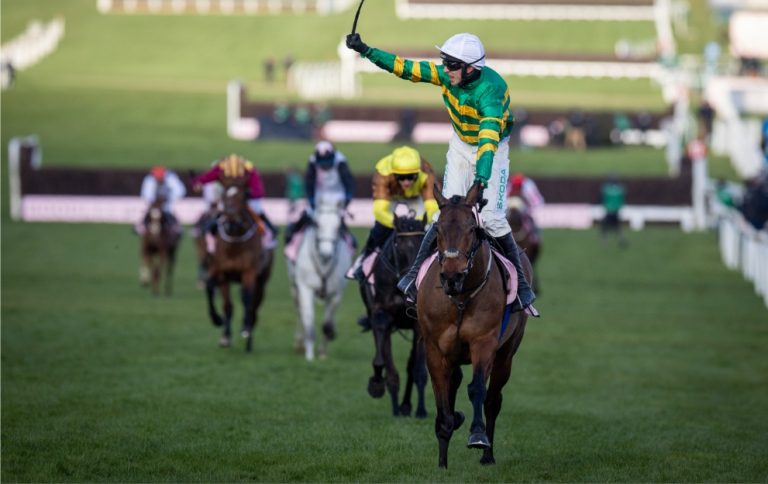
(466, 48)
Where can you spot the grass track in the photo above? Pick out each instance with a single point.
(649, 365)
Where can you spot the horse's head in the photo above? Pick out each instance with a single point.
(458, 237)
(235, 217)
(328, 218)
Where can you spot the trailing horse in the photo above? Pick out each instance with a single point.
(318, 271)
(387, 313)
(463, 310)
(238, 257)
(526, 233)
(159, 241)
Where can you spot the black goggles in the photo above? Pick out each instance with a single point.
(409, 177)
(452, 65)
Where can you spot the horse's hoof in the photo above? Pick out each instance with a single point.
(458, 420)
(245, 333)
(298, 348)
(376, 388)
(421, 413)
(329, 331)
(487, 460)
(217, 321)
(405, 410)
(225, 342)
(478, 440)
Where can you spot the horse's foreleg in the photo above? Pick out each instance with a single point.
(393, 377)
(307, 314)
(210, 288)
(247, 295)
(419, 372)
(329, 322)
(156, 268)
(502, 368)
(380, 326)
(446, 420)
(405, 406)
(226, 299)
(483, 352)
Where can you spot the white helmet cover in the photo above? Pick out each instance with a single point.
(465, 47)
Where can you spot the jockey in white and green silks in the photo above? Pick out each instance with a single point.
(477, 100)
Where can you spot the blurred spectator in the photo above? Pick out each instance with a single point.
(556, 130)
(643, 121)
(764, 143)
(755, 203)
(287, 64)
(750, 66)
(612, 195)
(621, 123)
(282, 113)
(294, 190)
(706, 116)
(711, 57)
(8, 74)
(575, 136)
(269, 69)
(724, 194)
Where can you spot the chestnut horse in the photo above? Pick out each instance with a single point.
(526, 233)
(159, 241)
(461, 305)
(386, 307)
(238, 257)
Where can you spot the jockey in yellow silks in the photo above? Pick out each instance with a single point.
(401, 178)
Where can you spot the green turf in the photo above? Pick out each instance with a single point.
(648, 366)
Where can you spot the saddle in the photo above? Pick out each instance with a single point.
(508, 278)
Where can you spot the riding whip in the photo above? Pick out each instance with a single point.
(357, 16)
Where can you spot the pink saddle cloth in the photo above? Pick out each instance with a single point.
(510, 270)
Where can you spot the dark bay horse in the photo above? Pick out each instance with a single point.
(238, 257)
(159, 242)
(387, 313)
(526, 233)
(461, 305)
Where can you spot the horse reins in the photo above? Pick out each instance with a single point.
(234, 239)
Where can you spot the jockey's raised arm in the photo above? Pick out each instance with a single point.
(477, 100)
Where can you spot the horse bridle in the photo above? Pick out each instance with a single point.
(393, 265)
(478, 242)
(221, 223)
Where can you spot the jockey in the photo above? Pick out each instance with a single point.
(327, 177)
(400, 177)
(477, 99)
(161, 181)
(235, 166)
(525, 188)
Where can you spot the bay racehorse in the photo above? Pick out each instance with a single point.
(238, 257)
(526, 233)
(159, 242)
(462, 304)
(388, 312)
(318, 272)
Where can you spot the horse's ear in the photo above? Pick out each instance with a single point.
(474, 194)
(439, 198)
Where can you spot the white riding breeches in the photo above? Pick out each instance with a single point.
(460, 173)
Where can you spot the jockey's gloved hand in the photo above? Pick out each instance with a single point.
(481, 180)
(355, 43)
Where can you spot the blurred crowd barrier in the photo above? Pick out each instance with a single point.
(222, 7)
(744, 248)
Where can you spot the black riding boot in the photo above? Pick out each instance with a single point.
(291, 230)
(407, 284)
(512, 252)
